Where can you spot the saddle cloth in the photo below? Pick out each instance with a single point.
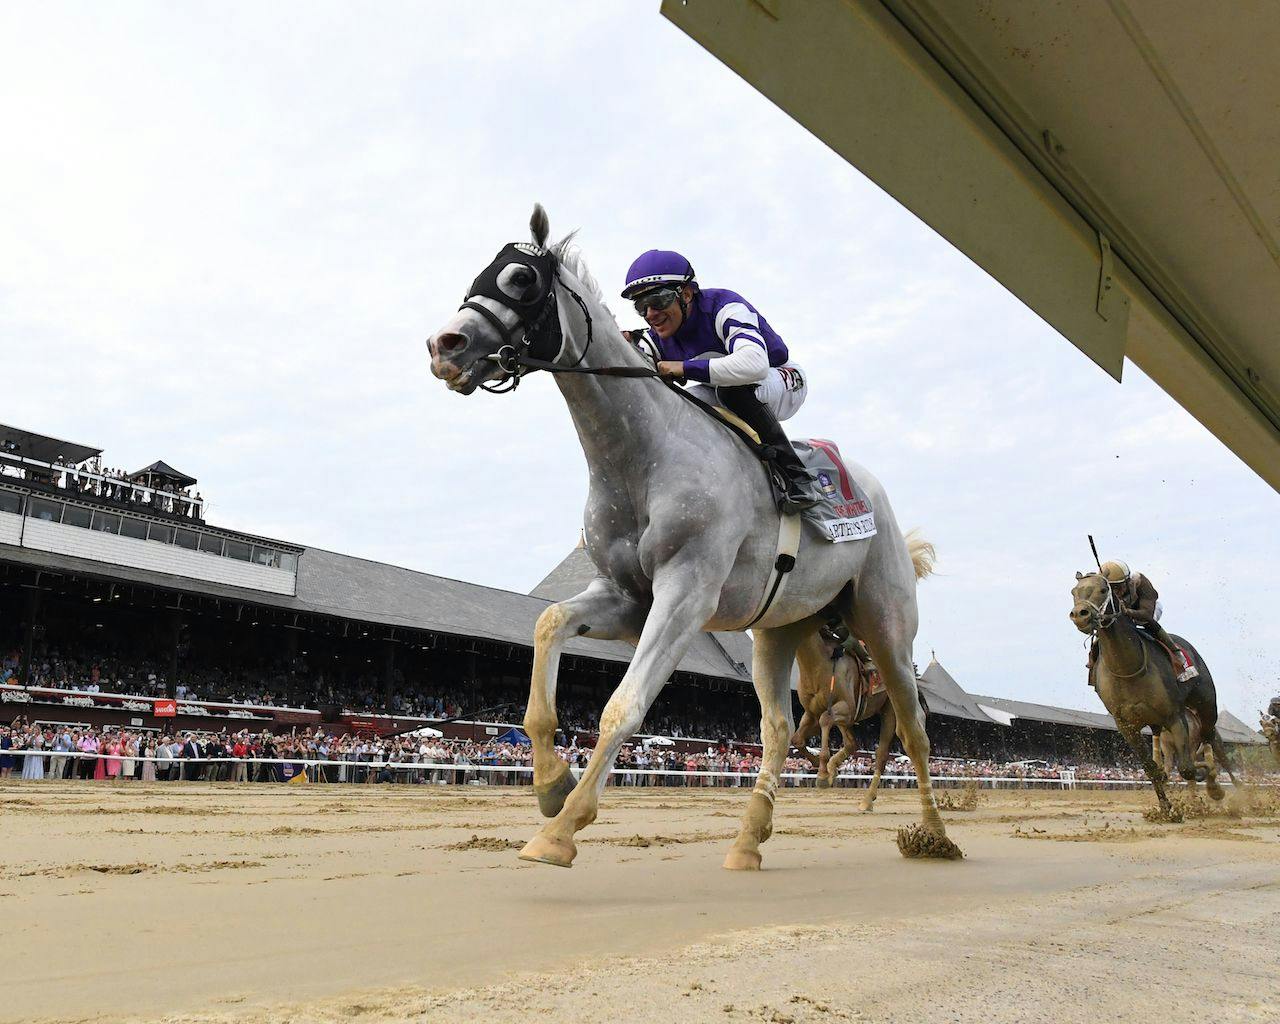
(843, 511)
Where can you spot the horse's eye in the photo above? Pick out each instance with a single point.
(522, 279)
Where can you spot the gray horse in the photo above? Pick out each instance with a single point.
(1139, 686)
(683, 528)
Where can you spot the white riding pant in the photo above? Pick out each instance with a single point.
(1159, 610)
(783, 390)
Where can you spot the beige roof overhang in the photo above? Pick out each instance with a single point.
(1114, 163)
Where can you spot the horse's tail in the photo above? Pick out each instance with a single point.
(922, 554)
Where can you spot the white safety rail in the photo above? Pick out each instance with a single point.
(521, 775)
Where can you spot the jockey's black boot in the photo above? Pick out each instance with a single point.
(742, 401)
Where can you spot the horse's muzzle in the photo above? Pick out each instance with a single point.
(443, 348)
(1082, 616)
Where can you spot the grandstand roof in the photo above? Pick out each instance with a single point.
(947, 697)
(576, 570)
(355, 588)
(1230, 727)
(1232, 730)
(45, 448)
(570, 577)
(1049, 713)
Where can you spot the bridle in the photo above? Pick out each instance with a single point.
(1105, 616)
(541, 341)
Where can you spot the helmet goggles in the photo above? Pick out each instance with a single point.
(656, 298)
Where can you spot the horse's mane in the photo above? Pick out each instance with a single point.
(571, 256)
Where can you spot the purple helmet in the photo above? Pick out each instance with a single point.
(656, 268)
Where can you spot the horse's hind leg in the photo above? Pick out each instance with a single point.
(1178, 735)
(600, 611)
(775, 650)
(884, 615)
(1220, 754)
(1211, 783)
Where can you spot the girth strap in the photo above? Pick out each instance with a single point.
(788, 545)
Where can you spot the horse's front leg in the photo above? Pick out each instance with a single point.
(888, 725)
(1133, 736)
(774, 653)
(844, 722)
(601, 611)
(680, 608)
(800, 739)
(824, 750)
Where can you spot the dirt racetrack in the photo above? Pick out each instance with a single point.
(195, 902)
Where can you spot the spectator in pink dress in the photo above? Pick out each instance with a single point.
(113, 749)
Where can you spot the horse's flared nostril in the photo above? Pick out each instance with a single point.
(448, 344)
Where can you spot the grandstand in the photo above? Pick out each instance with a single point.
(120, 605)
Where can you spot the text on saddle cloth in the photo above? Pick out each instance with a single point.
(843, 511)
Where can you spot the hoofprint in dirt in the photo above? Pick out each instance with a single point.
(408, 903)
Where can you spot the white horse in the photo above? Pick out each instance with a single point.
(683, 529)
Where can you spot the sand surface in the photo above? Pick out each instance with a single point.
(192, 902)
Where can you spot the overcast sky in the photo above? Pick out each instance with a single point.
(226, 231)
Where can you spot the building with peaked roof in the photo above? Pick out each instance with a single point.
(946, 697)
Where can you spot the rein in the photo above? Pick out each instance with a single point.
(514, 358)
(1101, 611)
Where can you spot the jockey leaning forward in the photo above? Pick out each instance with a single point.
(719, 341)
(1139, 599)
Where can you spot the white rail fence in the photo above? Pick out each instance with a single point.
(450, 773)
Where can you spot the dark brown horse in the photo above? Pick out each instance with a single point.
(1139, 685)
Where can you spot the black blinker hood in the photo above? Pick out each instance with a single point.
(536, 314)
(536, 259)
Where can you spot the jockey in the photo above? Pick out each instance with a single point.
(1140, 601)
(716, 339)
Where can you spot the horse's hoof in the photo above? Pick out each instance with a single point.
(823, 782)
(1216, 792)
(918, 841)
(552, 795)
(545, 849)
(868, 806)
(742, 860)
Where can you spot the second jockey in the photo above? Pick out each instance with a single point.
(718, 341)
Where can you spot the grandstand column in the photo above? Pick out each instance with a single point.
(33, 612)
(388, 669)
(175, 638)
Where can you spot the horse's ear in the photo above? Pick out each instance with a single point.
(539, 225)
(1079, 575)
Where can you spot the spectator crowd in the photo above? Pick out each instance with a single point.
(90, 478)
(38, 752)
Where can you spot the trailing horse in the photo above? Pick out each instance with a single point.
(683, 528)
(1139, 685)
(835, 691)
